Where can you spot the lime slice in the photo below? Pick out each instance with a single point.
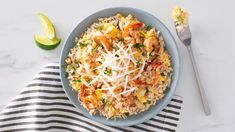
(45, 43)
(47, 26)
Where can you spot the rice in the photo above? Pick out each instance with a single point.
(119, 67)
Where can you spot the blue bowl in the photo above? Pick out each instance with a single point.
(171, 47)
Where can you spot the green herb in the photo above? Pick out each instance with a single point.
(100, 28)
(77, 62)
(162, 74)
(148, 102)
(70, 67)
(143, 53)
(138, 63)
(127, 113)
(149, 56)
(93, 70)
(107, 71)
(142, 35)
(99, 62)
(82, 45)
(138, 46)
(116, 48)
(96, 47)
(78, 81)
(147, 90)
(148, 27)
(103, 101)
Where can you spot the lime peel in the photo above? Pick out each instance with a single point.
(45, 43)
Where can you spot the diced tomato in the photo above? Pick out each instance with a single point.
(137, 25)
(156, 65)
(138, 81)
(83, 91)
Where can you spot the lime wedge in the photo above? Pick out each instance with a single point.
(45, 43)
(46, 25)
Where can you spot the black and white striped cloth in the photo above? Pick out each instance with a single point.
(43, 106)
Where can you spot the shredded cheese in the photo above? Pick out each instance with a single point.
(141, 70)
(119, 63)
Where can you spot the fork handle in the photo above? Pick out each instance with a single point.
(201, 88)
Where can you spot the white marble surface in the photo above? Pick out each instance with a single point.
(212, 24)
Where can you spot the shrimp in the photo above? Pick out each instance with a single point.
(132, 26)
(130, 99)
(155, 77)
(104, 41)
(136, 35)
(82, 92)
(90, 102)
(149, 43)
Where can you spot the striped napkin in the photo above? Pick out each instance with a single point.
(43, 106)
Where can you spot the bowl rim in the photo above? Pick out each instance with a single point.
(163, 104)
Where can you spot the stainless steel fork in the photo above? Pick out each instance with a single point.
(185, 37)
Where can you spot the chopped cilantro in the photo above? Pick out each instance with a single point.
(138, 63)
(142, 35)
(70, 67)
(138, 46)
(94, 70)
(103, 101)
(77, 62)
(100, 27)
(114, 47)
(149, 56)
(96, 47)
(162, 74)
(78, 81)
(99, 62)
(147, 90)
(107, 71)
(148, 27)
(127, 113)
(143, 53)
(82, 45)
